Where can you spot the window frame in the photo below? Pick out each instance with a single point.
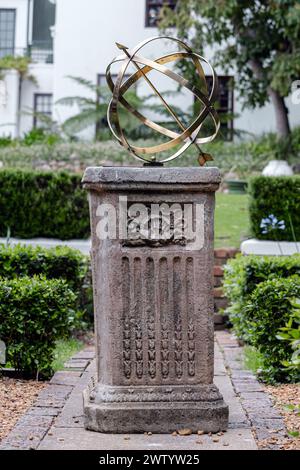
(35, 102)
(230, 109)
(14, 11)
(147, 9)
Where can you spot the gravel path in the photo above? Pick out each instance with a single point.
(286, 398)
(16, 397)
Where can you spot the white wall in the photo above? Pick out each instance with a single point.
(9, 104)
(85, 36)
(260, 120)
(44, 75)
(84, 44)
(21, 7)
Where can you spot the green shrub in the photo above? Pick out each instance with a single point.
(278, 197)
(6, 141)
(40, 136)
(269, 308)
(58, 262)
(54, 263)
(291, 333)
(243, 157)
(43, 204)
(34, 313)
(244, 273)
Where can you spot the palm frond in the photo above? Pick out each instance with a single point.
(79, 100)
(84, 82)
(82, 120)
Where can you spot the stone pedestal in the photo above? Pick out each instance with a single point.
(153, 295)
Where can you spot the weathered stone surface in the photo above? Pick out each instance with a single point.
(154, 308)
(43, 411)
(54, 396)
(247, 386)
(87, 353)
(148, 176)
(24, 438)
(35, 421)
(77, 364)
(65, 378)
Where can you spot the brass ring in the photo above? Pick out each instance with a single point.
(189, 135)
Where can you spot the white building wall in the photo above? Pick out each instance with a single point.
(44, 75)
(10, 84)
(9, 91)
(85, 36)
(9, 104)
(262, 120)
(84, 43)
(21, 7)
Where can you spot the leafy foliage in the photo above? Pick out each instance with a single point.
(34, 313)
(43, 204)
(243, 274)
(93, 109)
(269, 308)
(60, 262)
(6, 141)
(40, 136)
(291, 333)
(20, 64)
(243, 157)
(280, 197)
(262, 293)
(260, 39)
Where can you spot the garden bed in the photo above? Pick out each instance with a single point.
(286, 399)
(16, 396)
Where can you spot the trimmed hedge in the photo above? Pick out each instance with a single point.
(60, 262)
(262, 291)
(43, 204)
(280, 197)
(34, 313)
(244, 273)
(270, 308)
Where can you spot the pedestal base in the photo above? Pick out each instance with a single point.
(158, 409)
(152, 259)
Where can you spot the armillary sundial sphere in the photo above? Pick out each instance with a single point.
(189, 135)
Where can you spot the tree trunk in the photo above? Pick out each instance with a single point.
(281, 113)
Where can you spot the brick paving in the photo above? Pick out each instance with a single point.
(36, 422)
(266, 421)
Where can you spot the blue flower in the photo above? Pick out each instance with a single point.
(271, 223)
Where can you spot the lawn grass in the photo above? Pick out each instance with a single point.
(253, 360)
(231, 220)
(65, 348)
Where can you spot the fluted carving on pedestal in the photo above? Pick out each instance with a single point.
(150, 316)
(159, 334)
(127, 359)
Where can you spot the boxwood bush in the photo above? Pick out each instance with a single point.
(270, 308)
(60, 262)
(43, 204)
(241, 277)
(274, 208)
(34, 313)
